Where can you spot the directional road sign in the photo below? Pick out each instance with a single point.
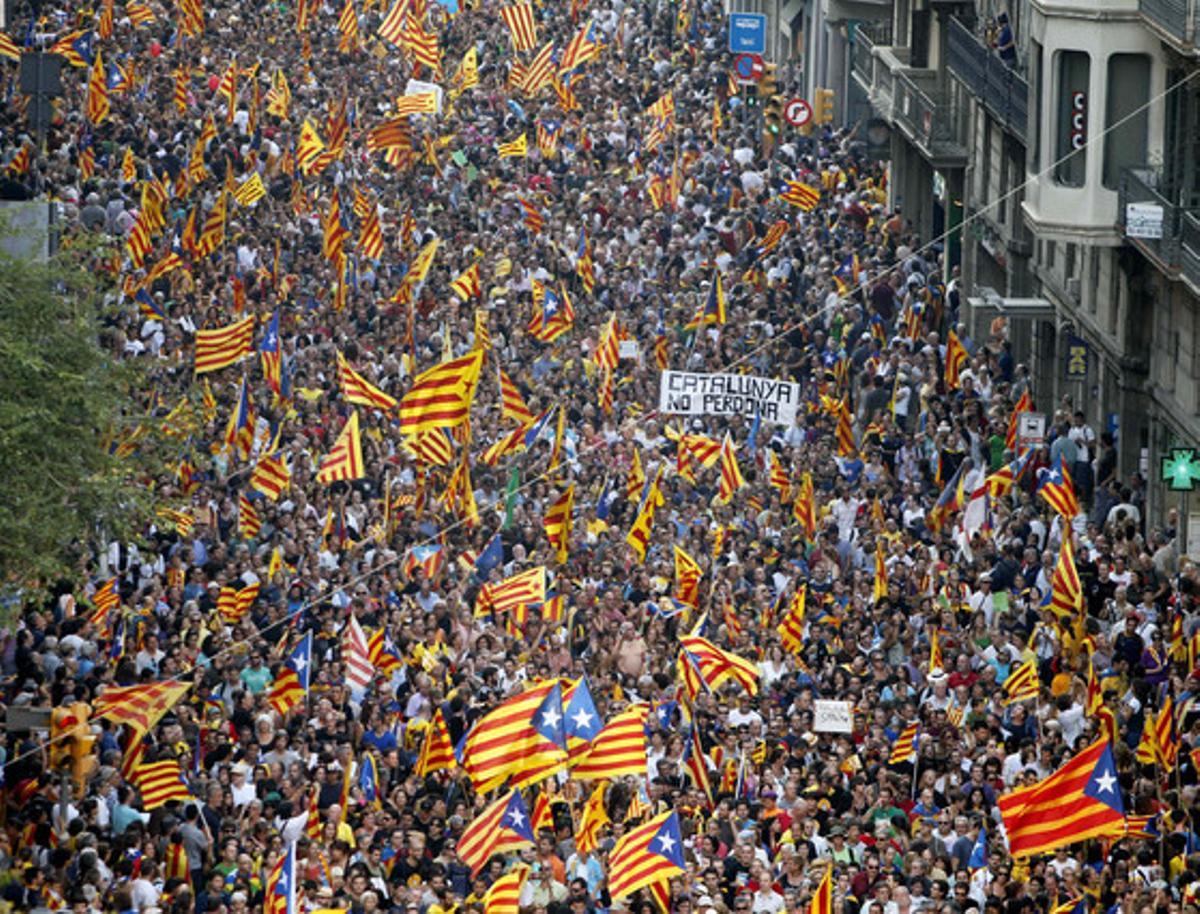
(747, 33)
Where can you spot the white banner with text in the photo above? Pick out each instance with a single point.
(689, 393)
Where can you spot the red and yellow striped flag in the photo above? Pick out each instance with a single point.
(271, 476)
(344, 461)
(718, 667)
(558, 524)
(522, 738)
(233, 603)
(1022, 683)
(159, 783)
(221, 347)
(647, 854)
(286, 691)
(437, 751)
(904, 749)
(96, 107)
(618, 749)
(594, 818)
(1080, 800)
(249, 523)
(791, 627)
(139, 707)
(503, 896)
(357, 390)
(800, 194)
(441, 397)
(521, 589)
(512, 404)
(822, 899)
(731, 474)
(514, 149)
(521, 28)
(466, 285)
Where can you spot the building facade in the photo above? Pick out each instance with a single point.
(1063, 182)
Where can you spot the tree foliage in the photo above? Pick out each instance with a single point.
(64, 399)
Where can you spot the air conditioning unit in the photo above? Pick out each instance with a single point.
(1073, 288)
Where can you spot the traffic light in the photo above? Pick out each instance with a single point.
(83, 745)
(62, 723)
(71, 741)
(768, 86)
(773, 115)
(823, 107)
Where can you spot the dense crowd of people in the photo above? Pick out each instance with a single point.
(665, 199)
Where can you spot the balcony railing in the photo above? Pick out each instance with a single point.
(909, 98)
(1002, 90)
(1150, 219)
(862, 55)
(1189, 248)
(928, 117)
(1176, 19)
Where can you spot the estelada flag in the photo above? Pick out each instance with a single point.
(618, 749)
(1080, 800)
(800, 194)
(522, 738)
(645, 855)
(503, 826)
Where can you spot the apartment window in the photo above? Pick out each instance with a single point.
(1070, 148)
(1126, 132)
(1035, 125)
(1051, 255)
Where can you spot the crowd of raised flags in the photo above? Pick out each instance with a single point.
(436, 613)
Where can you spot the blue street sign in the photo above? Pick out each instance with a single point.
(747, 33)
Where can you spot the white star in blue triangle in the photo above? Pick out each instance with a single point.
(667, 842)
(582, 719)
(1103, 784)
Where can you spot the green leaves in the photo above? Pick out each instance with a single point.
(64, 396)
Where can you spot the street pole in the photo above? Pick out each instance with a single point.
(64, 787)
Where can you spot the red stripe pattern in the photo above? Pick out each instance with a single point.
(618, 749)
(220, 348)
(1079, 801)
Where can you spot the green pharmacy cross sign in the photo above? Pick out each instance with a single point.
(1181, 469)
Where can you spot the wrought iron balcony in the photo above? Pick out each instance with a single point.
(1166, 232)
(1189, 249)
(908, 98)
(1003, 90)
